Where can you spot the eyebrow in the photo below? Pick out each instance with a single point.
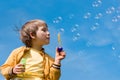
(45, 27)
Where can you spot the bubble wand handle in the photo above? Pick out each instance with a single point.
(23, 61)
(59, 43)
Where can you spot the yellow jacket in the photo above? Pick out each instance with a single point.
(15, 57)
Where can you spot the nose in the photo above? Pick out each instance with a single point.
(48, 33)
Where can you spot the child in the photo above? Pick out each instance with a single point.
(30, 62)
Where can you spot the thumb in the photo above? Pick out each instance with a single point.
(57, 52)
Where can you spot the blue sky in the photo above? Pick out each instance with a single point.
(90, 31)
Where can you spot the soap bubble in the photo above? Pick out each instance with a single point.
(95, 26)
(87, 15)
(115, 19)
(75, 28)
(60, 18)
(97, 3)
(110, 10)
(118, 16)
(118, 56)
(88, 44)
(76, 25)
(118, 10)
(78, 34)
(62, 30)
(71, 16)
(81, 53)
(76, 37)
(113, 48)
(98, 16)
(57, 20)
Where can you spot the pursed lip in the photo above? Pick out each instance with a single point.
(48, 38)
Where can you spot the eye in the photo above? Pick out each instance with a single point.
(44, 29)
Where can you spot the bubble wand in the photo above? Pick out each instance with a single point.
(59, 43)
(23, 61)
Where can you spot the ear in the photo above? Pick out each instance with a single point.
(32, 35)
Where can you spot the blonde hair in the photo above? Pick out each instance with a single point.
(30, 27)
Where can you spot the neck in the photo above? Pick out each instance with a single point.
(37, 47)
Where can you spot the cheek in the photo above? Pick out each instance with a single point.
(41, 36)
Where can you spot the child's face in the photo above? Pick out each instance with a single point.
(42, 36)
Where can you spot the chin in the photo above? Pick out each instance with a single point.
(46, 43)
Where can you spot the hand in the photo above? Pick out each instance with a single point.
(59, 56)
(19, 68)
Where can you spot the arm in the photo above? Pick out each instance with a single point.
(54, 72)
(7, 68)
(55, 65)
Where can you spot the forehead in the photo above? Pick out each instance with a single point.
(40, 23)
(43, 26)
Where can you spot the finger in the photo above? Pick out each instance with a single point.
(62, 53)
(20, 65)
(61, 57)
(20, 70)
(57, 52)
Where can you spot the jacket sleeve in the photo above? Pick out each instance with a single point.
(54, 73)
(6, 68)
